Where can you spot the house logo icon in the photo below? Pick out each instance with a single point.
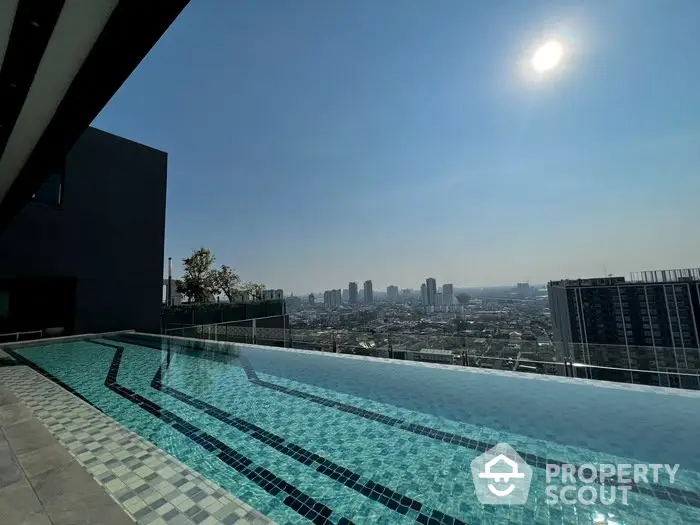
(501, 476)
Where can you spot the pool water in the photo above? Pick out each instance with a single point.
(311, 437)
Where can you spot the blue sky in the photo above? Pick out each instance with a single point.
(312, 143)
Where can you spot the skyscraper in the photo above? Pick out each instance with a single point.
(346, 295)
(369, 298)
(447, 296)
(424, 294)
(523, 289)
(431, 286)
(332, 298)
(352, 292)
(648, 323)
(336, 298)
(392, 293)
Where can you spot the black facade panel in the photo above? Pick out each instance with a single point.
(107, 235)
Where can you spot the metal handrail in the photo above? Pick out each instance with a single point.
(17, 334)
(586, 365)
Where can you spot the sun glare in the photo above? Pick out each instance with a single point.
(547, 56)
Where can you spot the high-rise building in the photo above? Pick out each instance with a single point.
(523, 289)
(352, 293)
(447, 296)
(293, 303)
(332, 298)
(392, 293)
(270, 295)
(312, 299)
(431, 286)
(346, 295)
(648, 323)
(369, 298)
(424, 294)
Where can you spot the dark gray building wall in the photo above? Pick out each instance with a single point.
(108, 233)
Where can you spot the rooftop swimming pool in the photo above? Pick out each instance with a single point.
(312, 437)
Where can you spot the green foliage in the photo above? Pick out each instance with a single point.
(255, 291)
(227, 282)
(199, 280)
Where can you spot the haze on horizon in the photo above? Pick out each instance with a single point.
(314, 143)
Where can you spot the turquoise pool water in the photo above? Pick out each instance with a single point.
(376, 442)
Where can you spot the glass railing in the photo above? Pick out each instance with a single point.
(645, 365)
(267, 330)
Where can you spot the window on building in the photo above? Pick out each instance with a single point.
(51, 191)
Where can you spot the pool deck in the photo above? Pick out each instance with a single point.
(63, 462)
(40, 482)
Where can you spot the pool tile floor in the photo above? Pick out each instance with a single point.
(150, 487)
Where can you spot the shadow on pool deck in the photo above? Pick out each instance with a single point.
(40, 482)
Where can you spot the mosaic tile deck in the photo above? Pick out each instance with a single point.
(153, 487)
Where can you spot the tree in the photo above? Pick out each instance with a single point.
(227, 281)
(199, 280)
(255, 291)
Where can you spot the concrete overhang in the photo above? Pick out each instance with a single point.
(61, 61)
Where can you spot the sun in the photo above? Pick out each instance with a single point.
(547, 57)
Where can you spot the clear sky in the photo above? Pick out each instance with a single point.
(316, 142)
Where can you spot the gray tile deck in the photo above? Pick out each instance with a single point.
(40, 483)
(71, 464)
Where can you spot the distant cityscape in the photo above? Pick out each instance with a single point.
(642, 329)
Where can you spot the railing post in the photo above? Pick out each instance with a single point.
(284, 329)
(253, 331)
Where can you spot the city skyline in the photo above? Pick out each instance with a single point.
(394, 158)
(352, 294)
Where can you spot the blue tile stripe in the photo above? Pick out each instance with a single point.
(672, 494)
(301, 503)
(372, 490)
(24, 361)
(675, 495)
